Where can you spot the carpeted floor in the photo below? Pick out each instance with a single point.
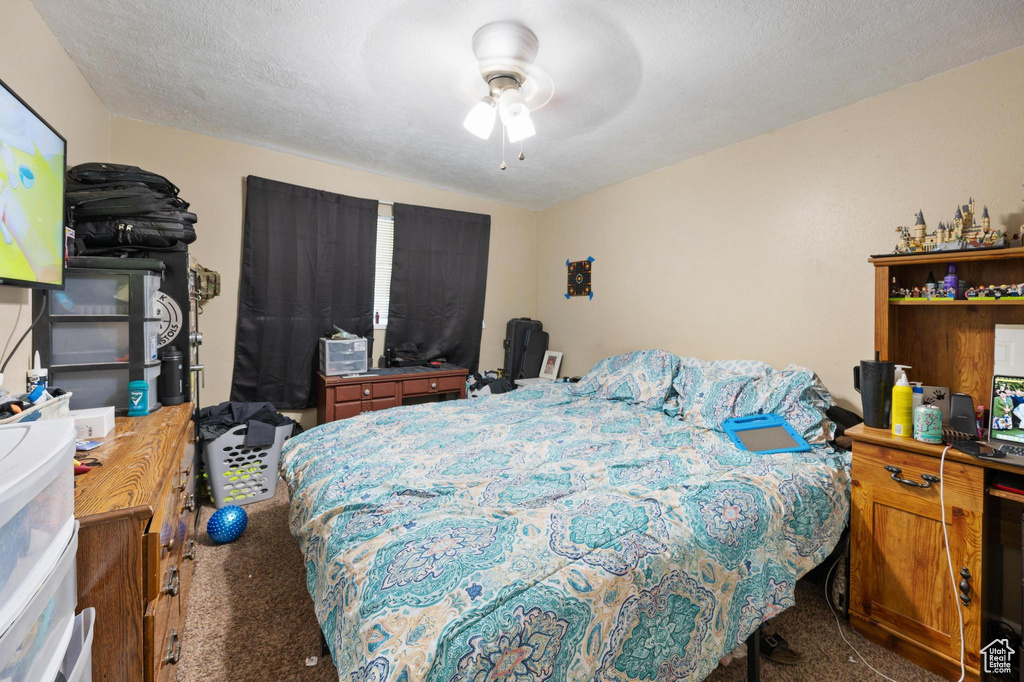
(250, 618)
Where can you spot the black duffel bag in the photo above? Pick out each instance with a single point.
(156, 231)
(118, 175)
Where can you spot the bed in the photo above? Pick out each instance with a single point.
(605, 530)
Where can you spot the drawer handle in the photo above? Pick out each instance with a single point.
(928, 478)
(173, 581)
(965, 586)
(190, 550)
(183, 480)
(433, 385)
(173, 647)
(366, 391)
(190, 502)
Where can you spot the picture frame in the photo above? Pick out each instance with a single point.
(549, 366)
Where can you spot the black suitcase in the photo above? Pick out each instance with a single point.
(515, 345)
(536, 345)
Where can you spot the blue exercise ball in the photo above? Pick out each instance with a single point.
(227, 524)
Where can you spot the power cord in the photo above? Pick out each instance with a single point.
(840, 627)
(39, 316)
(949, 559)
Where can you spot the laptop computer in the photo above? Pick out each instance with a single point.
(1006, 424)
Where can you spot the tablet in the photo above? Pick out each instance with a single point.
(764, 434)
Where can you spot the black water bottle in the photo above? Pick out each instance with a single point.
(172, 389)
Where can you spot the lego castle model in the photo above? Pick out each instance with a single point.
(962, 233)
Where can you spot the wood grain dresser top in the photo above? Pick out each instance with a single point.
(136, 457)
(885, 438)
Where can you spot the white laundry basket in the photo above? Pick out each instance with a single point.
(237, 474)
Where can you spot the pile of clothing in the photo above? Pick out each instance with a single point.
(489, 383)
(262, 420)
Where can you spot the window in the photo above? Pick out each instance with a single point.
(382, 276)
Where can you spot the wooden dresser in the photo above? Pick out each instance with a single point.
(139, 515)
(901, 595)
(341, 398)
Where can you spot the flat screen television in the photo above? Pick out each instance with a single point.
(33, 160)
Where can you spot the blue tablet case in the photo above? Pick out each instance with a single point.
(764, 434)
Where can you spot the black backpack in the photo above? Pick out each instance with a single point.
(124, 208)
(94, 237)
(117, 175)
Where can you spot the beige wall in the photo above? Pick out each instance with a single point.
(36, 67)
(211, 173)
(759, 250)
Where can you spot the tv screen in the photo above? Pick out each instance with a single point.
(32, 167)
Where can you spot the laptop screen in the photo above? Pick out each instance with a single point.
(1007, 411)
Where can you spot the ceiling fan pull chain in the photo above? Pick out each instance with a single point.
(522, 157)
(502, 166)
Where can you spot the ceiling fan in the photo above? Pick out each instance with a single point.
(505, 52)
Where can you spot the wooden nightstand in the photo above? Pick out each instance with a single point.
(900, 591)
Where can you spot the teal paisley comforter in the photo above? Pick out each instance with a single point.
(606, 531)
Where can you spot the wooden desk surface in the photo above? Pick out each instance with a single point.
(136, 457)
(394, 374)
(885, 438)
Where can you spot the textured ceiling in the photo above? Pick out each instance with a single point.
(638, 84)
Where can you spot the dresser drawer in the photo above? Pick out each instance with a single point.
(162, 634)
(382, 389)
(346, 410)
(430, 385)
(963, 485)
(379, 404)
(161, 542)
(344, 394)
(187, 506)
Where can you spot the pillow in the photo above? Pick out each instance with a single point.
(711, 392)
(797, 394)
(642, 377)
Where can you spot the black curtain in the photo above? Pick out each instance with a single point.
(307, 264)
(438, 282)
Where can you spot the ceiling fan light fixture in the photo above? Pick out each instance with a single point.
(512, 105)
(480, 120)
(520, 128)
(505, 51)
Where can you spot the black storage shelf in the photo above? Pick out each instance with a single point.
(101, 288)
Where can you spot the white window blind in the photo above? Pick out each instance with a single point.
(382, 276)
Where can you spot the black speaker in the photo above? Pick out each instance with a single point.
(961, 413)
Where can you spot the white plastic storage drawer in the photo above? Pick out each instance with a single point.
(37, 507)
(94, 387)
(103, 387)
(85, 343)
(342, 356)
(152, 332)
(34, 646)
(152, 377)
(101, 294)
(152, 288)
(77, 664)
(92, 294)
